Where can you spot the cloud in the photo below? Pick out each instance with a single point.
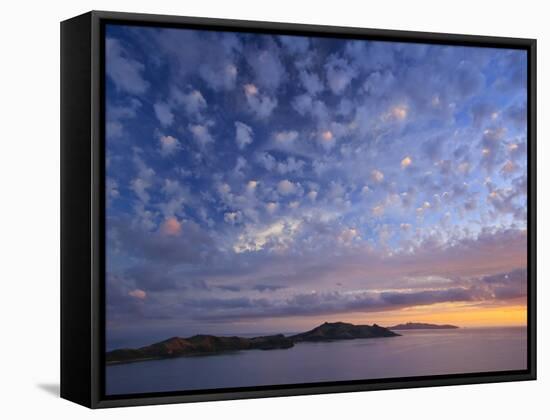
(278, 235)
(517, 114)
(260, 105)
(191, 246)
(286, 166)
(302, 104)
(509, 285)
(266, 160)
(348, 235)
(326, 139)
(508, 167)
(212, 56)
(221, 76)
(201, 134)
(138, 294)
(305, 105)
(491, 143)
(232, 217)
(468, 80)
(336, 191)
(397, 113)
(164, 114)
(176, 196)
(339, 74)
(118, 115)
(482, 112)
(243, 134)
(427, 297)
(144, 217)
(239, 166)
(294, 44)
(168, 145)
(366, 181)
(345, 107)
(378, 210)
(464, 167)
(171, 227)
(124, 71)
(267, 287)
(377, 176)
(251, 185)
(156, 278)
(336, 302)
(143, 181)
(269, 71)
(455, 264)
(285, 138)
(378, 83)
(371, 56)
(290, 165)
(271, 207)
(111, 187)
(311, 82)
(492, 135)
(406, 162)
(312, 195)
(511, 200)
(286, 187)
(193, 102)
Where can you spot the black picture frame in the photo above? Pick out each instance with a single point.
(83, 208)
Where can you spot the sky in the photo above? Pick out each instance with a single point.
(264, 183)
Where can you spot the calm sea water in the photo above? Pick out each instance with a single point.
(418, 352)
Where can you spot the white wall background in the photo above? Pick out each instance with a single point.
(29, 211)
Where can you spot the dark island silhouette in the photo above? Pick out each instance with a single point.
(209, 344)
(422, 326)
(342, 331)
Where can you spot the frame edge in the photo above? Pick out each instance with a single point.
(76, 260)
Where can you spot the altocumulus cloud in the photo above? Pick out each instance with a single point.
(256, 176)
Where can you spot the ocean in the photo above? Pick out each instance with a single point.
(415, 353)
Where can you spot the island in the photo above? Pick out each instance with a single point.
(198, 345)
(422, 326)
(342, 331)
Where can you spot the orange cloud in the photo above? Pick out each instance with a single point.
(171, 227)
(398, 113)
(406, 162)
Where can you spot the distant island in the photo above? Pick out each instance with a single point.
(209, 344)
(422, 326)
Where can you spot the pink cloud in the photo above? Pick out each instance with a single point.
(171, 227)
(138, 294)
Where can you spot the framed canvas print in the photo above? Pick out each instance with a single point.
(256, 209)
